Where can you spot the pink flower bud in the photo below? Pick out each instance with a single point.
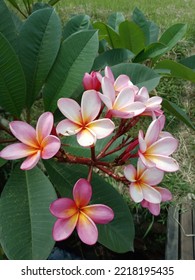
(91, 81)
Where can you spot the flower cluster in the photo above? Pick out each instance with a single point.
(103, 100)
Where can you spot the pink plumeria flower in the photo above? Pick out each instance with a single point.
(81, 119)
(91, 81)
(123, 105)
(153, 104)
(156, 147)
(76, 213)
(154, 208)
(143, 181)
(35, 144)
(121, 82)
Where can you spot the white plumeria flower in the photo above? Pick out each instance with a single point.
(81, 120)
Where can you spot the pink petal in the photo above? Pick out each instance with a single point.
(154, 102)
(124, 98)
(101, 128)
(146, 160)
(44, 126)
(136, 192)
(50, 146)
(153, 208)
(136, 108)
(86, 138)
(152, 176)
(70, 109)
(165, 193)
(67, 128)
(24, 132)
(142, 142)
(31, 161)
(161, 120)
(63, 208)
(87, 229)
(122, 82)
(109, 74)
(99, 213)
(63, 228)
(108, 89)
(90, 106)
(140, 168)
(106, 100)
(150, 194)
(82, 192)
(16, 151)
(143, 92)
(122, 114)
(152, 133)
(164, 146)
(164, 163)
(130, 173)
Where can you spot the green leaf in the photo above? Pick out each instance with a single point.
(109, 34)
(112, 57)
(2, 161)
(115, 19)
(25, 221)
(188, 62)
(76, 23)
(173, 34)
(177, 112)
(139, 74)
(12, 81)
(149, 28)
(72, 62)
(152, 51)
(39, 42)
(119, 234)
(131, 36)
(174, 69)
(7, 26)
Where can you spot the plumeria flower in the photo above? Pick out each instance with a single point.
(143, 181)
(123, 105)
(76, 213)
(156, 147)
(35, 144)
(154, 208)
(120, 83)
(81, 119)
(153, 104)
(91, 81)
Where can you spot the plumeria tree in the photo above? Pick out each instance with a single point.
(74, 125)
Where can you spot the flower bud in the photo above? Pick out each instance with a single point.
(91, 81)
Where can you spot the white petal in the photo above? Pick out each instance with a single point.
(164, 146)
(151, 194)
(67, 128)
(86, 138)
(101, 128)
(70, 109)
(90, 106)
(152, 176)
(130, 173)
(136, 192)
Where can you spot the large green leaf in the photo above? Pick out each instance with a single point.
(112, 57)
(151, 51)
(131, 36)
(76, 23)
(173, 34)
(39, 42)
(139, 74)
(25, 220)
(174, 69)
(70, 66)
(150, 29)
(178, 113)
(109, 34)
(115, 19)
(12, 81)
(7, 26)
(188, 62)
(119, 234)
